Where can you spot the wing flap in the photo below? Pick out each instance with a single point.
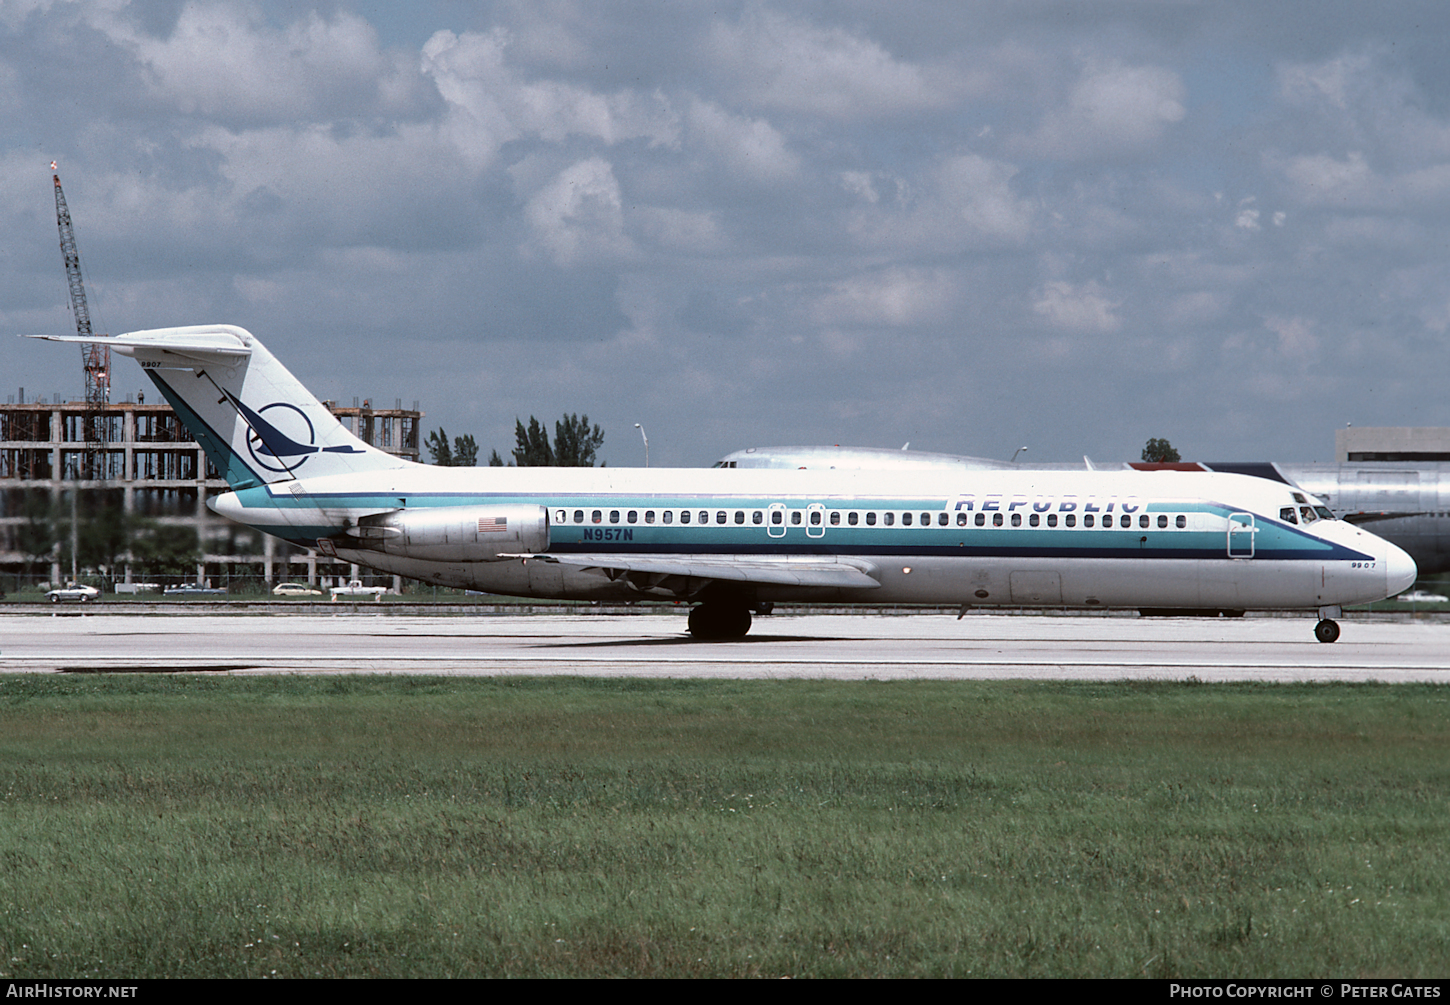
(842, 574)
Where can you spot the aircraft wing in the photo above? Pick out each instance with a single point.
(673, 573)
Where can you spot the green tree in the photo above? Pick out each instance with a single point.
(438, 448)
(164, 549)
(1158, 451)
(532, 449)
(463, 453)
(576, 444)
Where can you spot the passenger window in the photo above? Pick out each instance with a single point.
(1032, 520)
(578, 516)
(1071, 520)
(870, 519)
(560, 516)
(926, 519)
(721, 517)
(775, 517)
(1052, 519)
(597, 516)
(1162, 521)
(943, 520)
(1181, 521)
(757, 517)
(614, 516)
(996, 519)
(906, 519)
(649, 516)
(888, 518)
(684, 516)
(835, 518)
(815, 518)
(704, 516)
(961, 518)
(1143, 520)
(631, 516)
(1087, 520)
(1017, 519)
(740, 516)
(795, 517)
(852, 517)
(981, 519)
(667, 516)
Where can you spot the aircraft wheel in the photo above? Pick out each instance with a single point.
(713, 621)
(55, 600)
(1327, 630)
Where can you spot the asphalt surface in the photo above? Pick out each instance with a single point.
(850, 646)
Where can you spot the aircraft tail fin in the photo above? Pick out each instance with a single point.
(257, 423)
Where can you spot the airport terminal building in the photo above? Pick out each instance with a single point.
(71, 505)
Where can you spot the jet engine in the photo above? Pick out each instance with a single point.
(457, 533)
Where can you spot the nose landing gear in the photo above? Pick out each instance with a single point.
(1328, 629)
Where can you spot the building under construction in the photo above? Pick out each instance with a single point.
(67, 468)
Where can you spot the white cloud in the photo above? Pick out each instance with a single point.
(1112, 109)
(749, 147)
(491, 103)
(786, 62)
(225, 60)
(893, 297)
(965, 199)
(579, 216)
(1081, 308)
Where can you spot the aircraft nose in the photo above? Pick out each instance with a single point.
(1400, 570)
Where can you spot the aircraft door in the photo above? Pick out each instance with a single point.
(815, 520)
(1241, 531)
(775, 520)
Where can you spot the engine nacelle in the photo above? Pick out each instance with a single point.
(457, 533)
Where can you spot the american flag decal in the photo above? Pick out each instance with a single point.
(492, 524)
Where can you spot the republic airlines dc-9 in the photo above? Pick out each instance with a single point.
(733, 541)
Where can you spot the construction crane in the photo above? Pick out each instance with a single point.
(96, 356)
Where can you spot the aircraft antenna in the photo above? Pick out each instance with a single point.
(95, 356)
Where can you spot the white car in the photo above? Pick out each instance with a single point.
(295, 590)
(82, 594)
(356, 589)
(1422, 597)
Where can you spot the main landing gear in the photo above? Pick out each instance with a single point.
(719, 621)
(1328, 629)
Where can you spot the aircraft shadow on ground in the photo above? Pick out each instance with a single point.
(686, 640)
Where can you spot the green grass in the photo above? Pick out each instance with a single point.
(398, 826)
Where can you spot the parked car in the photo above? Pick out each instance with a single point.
(356, 589)
(194, 590)
(295, 590)
(1422, 597)
(73, 591)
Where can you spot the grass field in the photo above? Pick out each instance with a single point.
(401, 827)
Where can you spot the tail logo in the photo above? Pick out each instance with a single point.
(275, 442)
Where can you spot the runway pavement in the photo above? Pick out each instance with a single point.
(655, 645)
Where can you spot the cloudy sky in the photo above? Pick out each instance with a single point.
(972, 226)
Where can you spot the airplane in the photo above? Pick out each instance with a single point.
(735, 542)
(1405, 502)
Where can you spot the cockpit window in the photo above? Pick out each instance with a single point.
(1286, 513)
(1308, 513)
(1324, 513)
